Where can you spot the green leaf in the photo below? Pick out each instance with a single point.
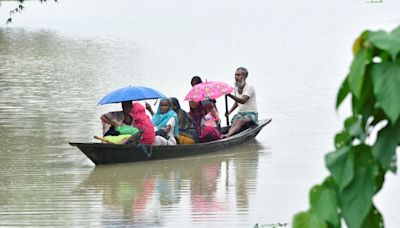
(356, 199)
(396, 31)
(384, 149)
(365, 104)
(357, 71)
(342, 139)
(341, 165)
(343, 91)
(379, 115)
(354, 127)
(307, 220)
(324, 203)
(386, 86)
(389, 42)
(379, 179)
(374, 219)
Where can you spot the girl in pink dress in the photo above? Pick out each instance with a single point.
(209, 128)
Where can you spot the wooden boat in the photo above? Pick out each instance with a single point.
(103, 153)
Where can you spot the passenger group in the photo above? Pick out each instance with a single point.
(171, 125)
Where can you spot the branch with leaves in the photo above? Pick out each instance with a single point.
(358, 166)
(19, 9)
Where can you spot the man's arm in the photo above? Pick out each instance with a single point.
(232, 109)
(242, 100)
(107, 120)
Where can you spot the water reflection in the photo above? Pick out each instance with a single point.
(153, 193)
(49, 88)
(43, 75)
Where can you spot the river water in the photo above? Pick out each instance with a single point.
(58, 59)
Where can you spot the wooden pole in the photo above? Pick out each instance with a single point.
(226, 110)
(102, 139)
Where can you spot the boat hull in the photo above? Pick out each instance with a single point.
(102, 153)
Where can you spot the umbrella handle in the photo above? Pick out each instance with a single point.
(226, 110)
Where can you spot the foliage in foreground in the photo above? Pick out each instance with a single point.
(359, 163)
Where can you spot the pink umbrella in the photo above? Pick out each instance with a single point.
(208, 90)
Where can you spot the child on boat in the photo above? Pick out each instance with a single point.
(210, 123)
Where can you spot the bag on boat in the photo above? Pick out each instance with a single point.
(111, 132)
(127, 130)
(184, 139)
(116, 139)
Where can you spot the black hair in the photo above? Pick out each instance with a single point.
(196, 80)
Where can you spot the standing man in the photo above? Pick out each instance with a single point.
(245, 98)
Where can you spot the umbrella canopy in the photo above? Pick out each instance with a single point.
(130, 93)
(208, 90)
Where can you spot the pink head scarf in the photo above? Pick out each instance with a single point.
(143, 122)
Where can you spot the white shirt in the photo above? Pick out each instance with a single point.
(172, 123)
(251, 104)
(161, 140)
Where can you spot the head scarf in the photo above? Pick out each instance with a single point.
(143, 122)
(185, 120)
(160, 120)
(197, 114)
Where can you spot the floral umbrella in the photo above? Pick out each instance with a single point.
(208, 90)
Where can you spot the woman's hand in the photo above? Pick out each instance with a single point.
(214, 113)
(148, 107)
(167, 128)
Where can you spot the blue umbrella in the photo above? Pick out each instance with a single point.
(130, 93)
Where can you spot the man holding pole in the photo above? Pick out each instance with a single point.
(245, 98)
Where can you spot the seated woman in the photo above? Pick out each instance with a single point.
(187, 129)
(165, 123)
(210, 123)
(206, 132)
(143, 123)
(196, 112)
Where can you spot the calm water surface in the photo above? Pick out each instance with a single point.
(58, 60)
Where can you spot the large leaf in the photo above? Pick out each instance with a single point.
(341, 165)
(389, 42)
(396, 31)
(379, 179)
(386, 85)
(357, 71)
(365, 104)
(307, 220)
(374, 219)
(324, 203)
(384, 149)
(356, 199)
(343, 91)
